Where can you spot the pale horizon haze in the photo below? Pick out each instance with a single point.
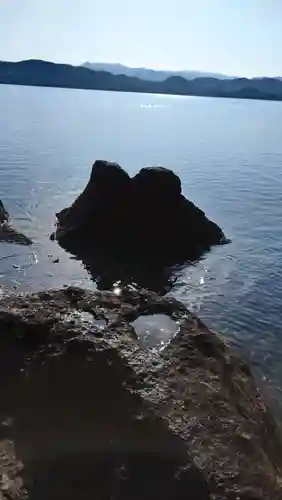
(235, 37)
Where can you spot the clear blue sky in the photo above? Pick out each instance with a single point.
(237, 37)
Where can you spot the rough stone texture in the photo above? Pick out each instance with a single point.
(93, 414)
(7, 233)
(11, 484)
(146, 215)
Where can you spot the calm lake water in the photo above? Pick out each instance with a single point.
(228, 154)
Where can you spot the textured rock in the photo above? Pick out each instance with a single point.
(146, 216)
(11, 484)
(95, 414)
(7, 233)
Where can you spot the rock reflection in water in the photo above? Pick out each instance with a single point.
(107, 267)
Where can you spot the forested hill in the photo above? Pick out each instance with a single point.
(48, 74)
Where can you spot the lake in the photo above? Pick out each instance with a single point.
(228, 154)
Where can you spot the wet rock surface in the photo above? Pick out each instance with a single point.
(91, 413)
(7, 233)
(144, 216)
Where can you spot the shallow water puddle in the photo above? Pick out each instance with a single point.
(155, 330)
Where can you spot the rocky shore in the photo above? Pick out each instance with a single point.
(89, 408)
(7, 233)
(88, 411)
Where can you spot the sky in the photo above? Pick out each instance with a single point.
(235, 37)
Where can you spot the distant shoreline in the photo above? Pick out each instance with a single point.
(124, 91)
(46, 74)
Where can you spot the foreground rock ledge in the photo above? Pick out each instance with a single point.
(90, 413)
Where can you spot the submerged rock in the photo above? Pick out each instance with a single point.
(7, 233)
(146, 215)
(94, 414)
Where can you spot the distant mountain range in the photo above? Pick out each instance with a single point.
(150, 74)
(48, 74)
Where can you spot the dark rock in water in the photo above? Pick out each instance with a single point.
(93, 414)
(7, 233)
(101, 207)
(4, 216)
(144, 218)
(10, 235)
(201, 230)
(168, 217)
(157, 186)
